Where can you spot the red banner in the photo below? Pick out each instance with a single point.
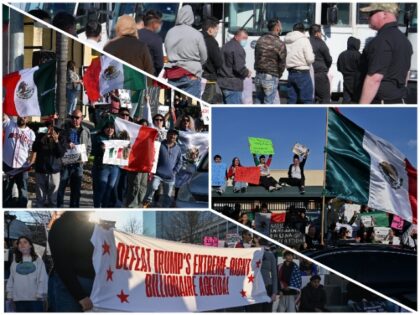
(249, 175)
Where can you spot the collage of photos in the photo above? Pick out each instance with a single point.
(303, 199)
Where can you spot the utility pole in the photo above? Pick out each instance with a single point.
(16, 41)
(62, 47)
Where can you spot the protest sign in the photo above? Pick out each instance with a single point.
(286, 235)
(212, 241)
(75, 155)
(397, 223)
(205, 113)
(116, 152)
(135, 273)
(232, 239)
(262, 222)
(163, 110)
(218, 174)
(379, 218)
(380, 234)
(278, 216)
(367, 221)
(260, 146)
(247, 174)
(299, 149)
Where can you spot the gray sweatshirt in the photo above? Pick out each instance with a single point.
(28, 280)
(185, 45)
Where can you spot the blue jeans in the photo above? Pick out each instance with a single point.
(71, 96)
(59, 296)
(104, 182)
(21, 181)
(188, 85)
(72, 174)
(232, 97)
(300, 88)
(266, 88)
(29, 306)
(239, 185)
(168, 186)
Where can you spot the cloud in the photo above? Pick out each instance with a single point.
(412, 143)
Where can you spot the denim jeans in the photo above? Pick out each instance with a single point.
(59, 296)
(29, 306)
(239, 185)
(300, 88)
(104, 183)
(47, 189)
(266, 86)
(71, 96)
(168, 186)
(21, 181)
(72, 174)
(188, 85)
(232, 97)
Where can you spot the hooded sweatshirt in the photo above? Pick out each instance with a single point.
(348, 64)
(185, 45)
(300, 55)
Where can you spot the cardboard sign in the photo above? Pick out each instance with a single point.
(75, 155)
(262, 223)
(218, 174)
(260, 145)
(232, 239)
(211, 241)
(205, 113)
(367, 221)
(135, 273)
(300, 149)
(397, 223)
(380, 234)
(286, 235)
(116, 152)
(249, 174)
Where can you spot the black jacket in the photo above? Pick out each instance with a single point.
(323, 58)
(312, 298)
(214, 58)
(48, 154)
(348, 64)
(234, 70)
(155, 44)
(302, 166)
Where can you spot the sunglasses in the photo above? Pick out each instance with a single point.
(158, 119)
(124, 114)
(76, 117)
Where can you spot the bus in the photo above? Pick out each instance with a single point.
(339, 21)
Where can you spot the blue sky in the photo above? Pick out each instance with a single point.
(231, 128)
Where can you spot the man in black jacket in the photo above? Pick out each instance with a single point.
(348, 64)
(212, 93)
(234, 71)
(321, 65)
(296, 173)
(313, 298)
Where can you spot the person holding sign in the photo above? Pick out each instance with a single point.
(266, 180)
(74, 134)
(237, 186)
(290, 281)
(104, 175)
(219, 174)
(296, 173)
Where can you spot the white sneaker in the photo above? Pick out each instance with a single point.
(271, 188)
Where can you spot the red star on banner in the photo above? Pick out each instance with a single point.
(258, 263)
(123, 297)
(243, 293)
(251, 278)
(105, 248)
(109, 273)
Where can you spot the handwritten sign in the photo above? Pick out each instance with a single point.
(211, 241)
(397, 223)
(286, 235)
(75, 155)
(260, 146)
(116, 152)
(232, 239)
(205, 113)
(218, 174)
(249, 175)
(300, 149)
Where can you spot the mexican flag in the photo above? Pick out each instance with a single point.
(106, 74)
(368, 170)
(30, 92)
(144, 150)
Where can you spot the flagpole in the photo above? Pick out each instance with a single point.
(324, 182)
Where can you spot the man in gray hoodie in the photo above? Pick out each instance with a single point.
(300, 57)
(186, 52)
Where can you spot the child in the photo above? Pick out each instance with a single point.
(28, 280)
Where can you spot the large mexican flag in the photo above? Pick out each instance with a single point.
(30, 92)
(368, 170)
(106, 74)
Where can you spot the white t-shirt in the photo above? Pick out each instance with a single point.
(17, 143)
(296, 172)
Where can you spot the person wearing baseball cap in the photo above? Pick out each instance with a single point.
(386, 59)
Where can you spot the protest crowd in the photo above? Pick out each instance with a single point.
(219, 75)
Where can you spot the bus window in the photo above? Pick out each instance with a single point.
(363, 18)
(343, 14)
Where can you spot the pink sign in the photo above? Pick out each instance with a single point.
(212, 241)
(397, 223)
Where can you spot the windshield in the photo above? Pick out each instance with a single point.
(204, 164)
(253, 17)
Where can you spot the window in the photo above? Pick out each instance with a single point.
(343, 16)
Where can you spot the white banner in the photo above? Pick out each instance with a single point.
(116, 152)
(136, 273)
(75, 155)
